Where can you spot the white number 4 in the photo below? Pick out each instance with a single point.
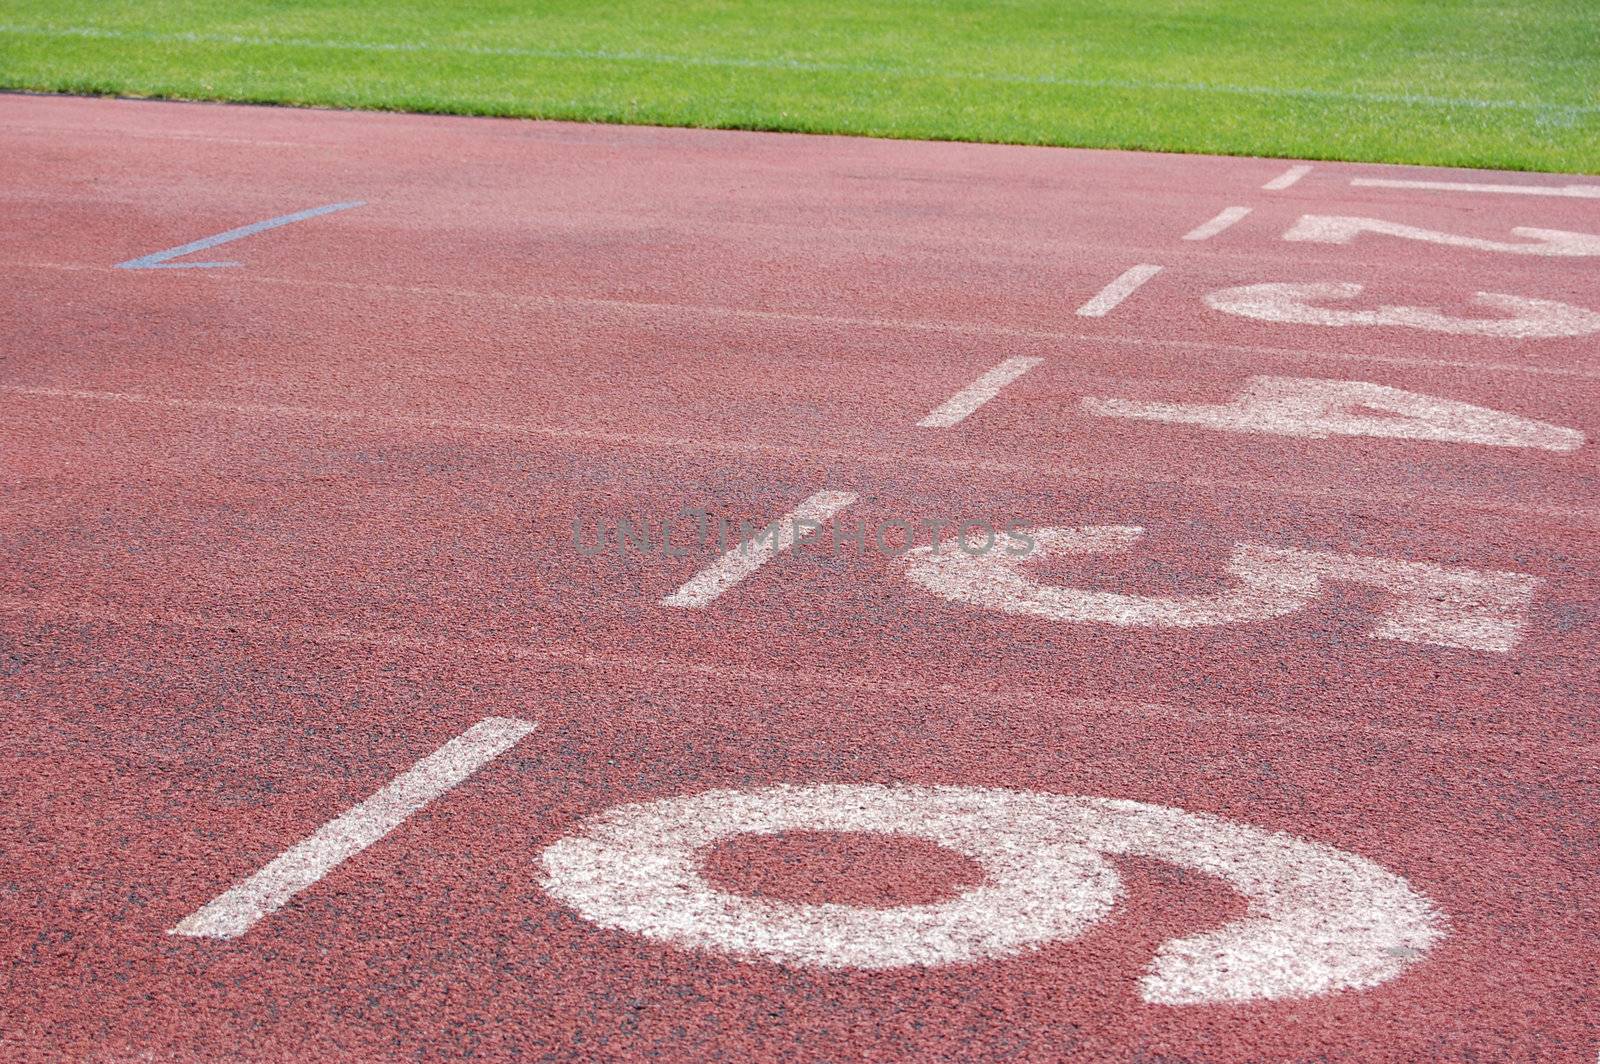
(1305, 406)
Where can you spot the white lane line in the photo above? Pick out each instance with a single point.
(956, 409)
(159, 260)
(1287, 178)
(1118, 290)
(750, 555)
(1578, 191)
(238, 909)
(1217, 224)
(157, 134)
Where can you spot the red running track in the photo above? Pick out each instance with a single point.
(275, 532)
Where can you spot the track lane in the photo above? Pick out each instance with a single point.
(438, 937)
(274, 536)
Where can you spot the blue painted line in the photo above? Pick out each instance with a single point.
(157, 260)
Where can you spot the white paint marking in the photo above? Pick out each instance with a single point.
(999, 584)
(1342, 229)
(957, 408)
(162, 260)
(1435, 604)
(1316, 409)
(1287, 178)
(1295, 304)
(747, 557)
(237, 910)
(1318, 919)
(1118, 290)
(1216, 225)
(1578, 191)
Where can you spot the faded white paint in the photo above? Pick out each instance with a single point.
(958, 407)
(1434, 604)
(1316, 408)
(1342, 229)
(1575, 191)
(1297, 304)
(1126, 283)
(1227, 217)
(742, 560)
(1287, 178)
(235, 911)
(999, 583)
(1318, 919)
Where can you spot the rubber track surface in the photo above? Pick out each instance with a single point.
(274, 532)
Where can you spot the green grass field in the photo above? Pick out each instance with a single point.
(1495, 83)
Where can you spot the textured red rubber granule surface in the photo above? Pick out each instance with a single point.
(272, 533)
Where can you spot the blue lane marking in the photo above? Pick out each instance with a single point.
(157, 260)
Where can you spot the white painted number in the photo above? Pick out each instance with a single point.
(1307, 406)
(1000, 584)
(1449, 607)
(1297, 304)
(1578, 191)
(1340, 229)
(1318, 919)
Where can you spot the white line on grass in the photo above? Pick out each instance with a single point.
(1118, 290)
(1578, 191)
(752, 554)
(786, 63)
(235, 911)
(1228, 217)
(1287, 178)
(955, 410)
